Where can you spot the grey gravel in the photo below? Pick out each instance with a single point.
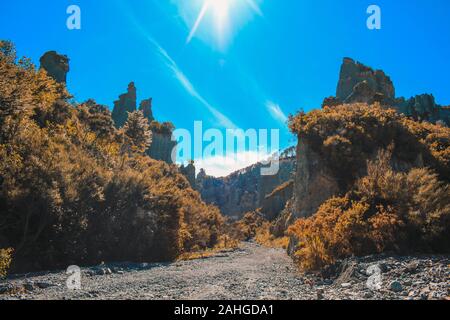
(250, 272)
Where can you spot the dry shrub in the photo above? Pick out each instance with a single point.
(347, 136)
(386, 211)
(253, 226)
(5, 261)
(73, 191)
(265, 237)
(247, 227)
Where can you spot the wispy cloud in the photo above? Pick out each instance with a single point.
(189, 87)
(276, 112)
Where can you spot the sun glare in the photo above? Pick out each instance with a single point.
(220, 13)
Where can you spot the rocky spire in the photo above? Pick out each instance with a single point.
(56, 65)
(146, 108)
(125, 104)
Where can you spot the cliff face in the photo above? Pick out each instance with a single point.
(162, 147)
(245, 190)
(361, 84)
(56, 65)
(313, 183)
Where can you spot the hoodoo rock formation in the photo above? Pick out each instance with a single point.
(147, 111)
(162, 145)
(126, 104)
(56, 65)
(360, 83)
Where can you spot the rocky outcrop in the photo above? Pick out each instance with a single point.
(189, 172)
(245, 190)
(313, 183)
(361, 84)
(56, 65)
(162, 145)
(275, 202)
(126, 104)
(147, 111)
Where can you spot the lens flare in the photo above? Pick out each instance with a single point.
(220, 13)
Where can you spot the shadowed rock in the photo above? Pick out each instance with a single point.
(126, 104)
(146, 108)
(361, 84)
(56, 65)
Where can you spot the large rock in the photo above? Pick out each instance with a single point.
(353, 74)
(56, 65)
(126, 104)
(361, 84)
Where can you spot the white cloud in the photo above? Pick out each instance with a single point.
(189, 87)
(276, 112)
(224, 165)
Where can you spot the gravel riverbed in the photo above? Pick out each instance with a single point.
(250, 272)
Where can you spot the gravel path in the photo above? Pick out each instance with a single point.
(251, 272)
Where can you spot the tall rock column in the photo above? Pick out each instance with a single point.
(146, 108)
(126, 104)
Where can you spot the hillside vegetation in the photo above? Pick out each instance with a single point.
(75, 190)
(394, 177)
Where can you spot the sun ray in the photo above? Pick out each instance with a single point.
(199, 19)
(252, 4)
(220, 12)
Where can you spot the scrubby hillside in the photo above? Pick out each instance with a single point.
(75, 190)
(390, 178)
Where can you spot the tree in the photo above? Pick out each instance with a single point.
(138, 131)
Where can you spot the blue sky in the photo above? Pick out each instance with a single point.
(250, 69)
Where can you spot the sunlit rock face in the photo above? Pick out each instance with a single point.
(56, 65)
(361, 84)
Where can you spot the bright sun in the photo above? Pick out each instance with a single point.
(221, 12)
